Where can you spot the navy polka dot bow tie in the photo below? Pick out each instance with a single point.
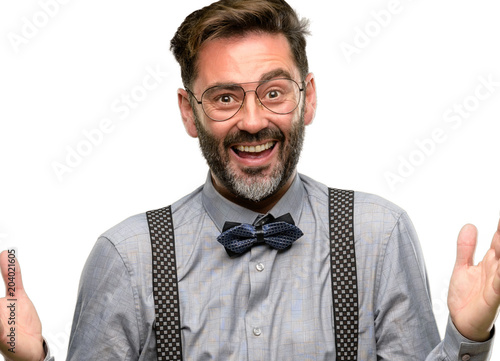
(279, 233)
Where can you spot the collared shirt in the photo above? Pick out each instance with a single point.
(265, 304)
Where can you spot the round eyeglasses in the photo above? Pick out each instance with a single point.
(222, 102)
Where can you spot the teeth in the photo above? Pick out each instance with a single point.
(255, 149)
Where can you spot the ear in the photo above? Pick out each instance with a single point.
(187, 112)
(311, 100)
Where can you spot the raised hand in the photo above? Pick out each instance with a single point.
(474, 294)
(20, 328)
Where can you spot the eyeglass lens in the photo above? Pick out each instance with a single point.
(280, 96)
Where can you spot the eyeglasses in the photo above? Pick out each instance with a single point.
(222, 102)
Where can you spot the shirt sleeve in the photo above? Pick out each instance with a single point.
(105, 320)
(48, 356)
(405, 325)
(457, 347)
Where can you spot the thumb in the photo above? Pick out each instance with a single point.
(11, 273)
(466, 246)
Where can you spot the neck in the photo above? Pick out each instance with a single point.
(263, 206)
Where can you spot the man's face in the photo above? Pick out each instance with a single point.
(254, 154)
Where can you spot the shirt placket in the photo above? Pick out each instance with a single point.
(257, 319)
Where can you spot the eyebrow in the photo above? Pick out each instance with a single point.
(275, 73)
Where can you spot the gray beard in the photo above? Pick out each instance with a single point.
(256, 187)
(252, 185)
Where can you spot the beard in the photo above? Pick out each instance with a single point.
(253, 184)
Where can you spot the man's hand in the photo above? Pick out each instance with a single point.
(474, 294)
(20, 327)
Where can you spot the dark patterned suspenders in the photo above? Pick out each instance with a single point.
(166, 295)
(343, 274)
(344, 277)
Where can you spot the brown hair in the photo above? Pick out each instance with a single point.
(228, 18)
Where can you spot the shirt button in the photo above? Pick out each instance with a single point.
(257, 331)
(466, 357)
(259, 267)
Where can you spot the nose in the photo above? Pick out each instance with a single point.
(252, 117)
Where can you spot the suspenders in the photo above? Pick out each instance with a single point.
(344, 277)
(343, 274)
(165, 292)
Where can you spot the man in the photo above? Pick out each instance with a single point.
(248, 96)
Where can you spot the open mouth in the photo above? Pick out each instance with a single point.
(254, 151)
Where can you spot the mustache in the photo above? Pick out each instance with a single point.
(245, 137)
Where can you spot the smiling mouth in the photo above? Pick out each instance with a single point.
(254, 148)
(254, 151)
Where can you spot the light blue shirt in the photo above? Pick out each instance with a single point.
(263, 305)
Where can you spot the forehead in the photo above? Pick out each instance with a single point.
(240, 59)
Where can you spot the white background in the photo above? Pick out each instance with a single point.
(79, 58)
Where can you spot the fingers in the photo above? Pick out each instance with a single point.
(495, 243)
(466, 246)
(496, 281)
(11, 273)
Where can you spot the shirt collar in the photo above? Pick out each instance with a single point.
(221, 209)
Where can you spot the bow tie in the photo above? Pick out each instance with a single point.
(279, 233)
